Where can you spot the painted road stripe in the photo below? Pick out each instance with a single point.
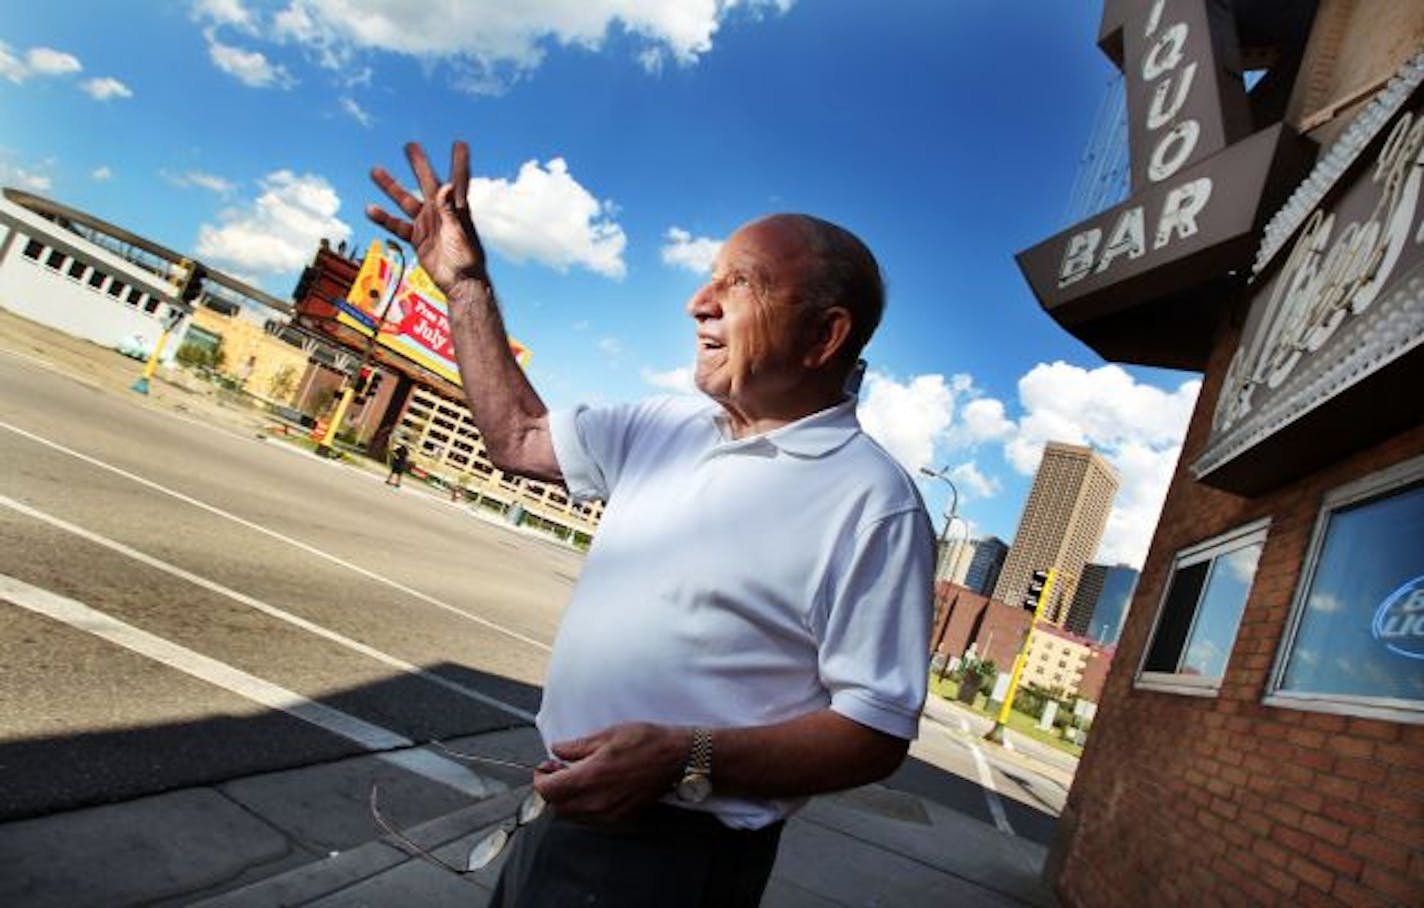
(991, 793)
(212, 509)
(265, 608)
(386, 744)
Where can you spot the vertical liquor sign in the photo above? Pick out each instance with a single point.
(1199, 185)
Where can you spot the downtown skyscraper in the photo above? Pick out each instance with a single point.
(1061, 526)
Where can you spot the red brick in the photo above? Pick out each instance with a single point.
(1270, 851)
(1292, 838)
(1349, 814)
(1256, 822)
(1387, 853)
(1336, 787)
(1357, 896)
(1314, 898)
(1285, 813)
(1304, 798)
(1307, 737)
(1338, 860)
(1362, 770)
(1353, 747)
(1377, 729)
(1409, 891)
(1311, 873)
(1401, 754)
(1278, 880)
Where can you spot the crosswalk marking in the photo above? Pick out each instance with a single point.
(386, 744)
(312, 550)
(265, 608)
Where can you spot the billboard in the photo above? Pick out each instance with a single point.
(416, 320)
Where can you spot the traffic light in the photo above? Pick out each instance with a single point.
(190, 286)
(368, 380)
(363, 379)
(1040, 589)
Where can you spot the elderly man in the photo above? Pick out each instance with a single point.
(751, 624)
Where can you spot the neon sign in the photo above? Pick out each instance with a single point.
(1399, 620)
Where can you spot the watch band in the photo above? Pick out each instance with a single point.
(699, 756)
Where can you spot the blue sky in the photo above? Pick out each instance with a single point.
(613, 145)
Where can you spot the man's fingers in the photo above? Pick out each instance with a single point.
(395, 191)
(420, 166)
(394, 224)
(460, 174)
(576, 749)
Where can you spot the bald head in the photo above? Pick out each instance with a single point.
(842, 272)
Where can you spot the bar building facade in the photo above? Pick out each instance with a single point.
(1260, 738)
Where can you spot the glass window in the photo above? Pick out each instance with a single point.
(150, 304)
(134, 296)
(33, 249)
(1200, 613)
(76, 269)
(1356, 638)
(96, 278)
(116, 288)
(55, 259)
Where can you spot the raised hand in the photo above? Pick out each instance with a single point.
(440, 228)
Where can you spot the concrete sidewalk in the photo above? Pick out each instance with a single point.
(307, 837)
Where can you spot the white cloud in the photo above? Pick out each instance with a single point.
(982, 420)
(250, 67)
(46, 61)
(356, 112)
(682, 250)
(208, 181)
(611, 346)
(677, 380)
(546, 216)
(37, 61)
(972, 483)
(33, 177)
(278, 231)
(226, 12)
(491, 43)
(106, 88)
(101, 174)
(907, 419)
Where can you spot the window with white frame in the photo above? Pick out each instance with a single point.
(1355, 639)
(1201, 611)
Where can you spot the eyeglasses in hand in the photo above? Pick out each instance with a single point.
(492, 845)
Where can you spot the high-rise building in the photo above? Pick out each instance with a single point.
(973, 563)
(984, 567)
(1061, 526)
(1100, 603)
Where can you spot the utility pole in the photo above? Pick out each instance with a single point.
(364, 383)
(1040, 593)
(190, 287)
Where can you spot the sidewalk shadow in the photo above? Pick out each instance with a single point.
(968, 797)
(65, 772)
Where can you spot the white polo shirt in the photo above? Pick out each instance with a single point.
(739, 582)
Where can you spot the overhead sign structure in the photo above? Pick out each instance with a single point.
(1200, 188)
(415, 323)
(1332, 355)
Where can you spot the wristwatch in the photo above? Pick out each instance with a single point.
(696, 783)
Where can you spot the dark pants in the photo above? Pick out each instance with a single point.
(666, 856)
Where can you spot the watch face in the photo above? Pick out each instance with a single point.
(694, 788)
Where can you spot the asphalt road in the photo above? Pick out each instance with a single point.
(175, 593)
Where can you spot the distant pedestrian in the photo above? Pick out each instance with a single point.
(399, 459)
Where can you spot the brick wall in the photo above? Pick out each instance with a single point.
(996, 629)
(1184, 800)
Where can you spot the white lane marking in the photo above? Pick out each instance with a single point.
(220, 674)
(212, 509)
(991, 793)
(265, 608)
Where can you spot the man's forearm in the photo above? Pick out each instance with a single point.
(506, 408)
(819, 752)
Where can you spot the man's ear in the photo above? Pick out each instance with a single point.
(829, 336)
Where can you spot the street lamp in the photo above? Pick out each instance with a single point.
(348, 390)
(949, 516)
